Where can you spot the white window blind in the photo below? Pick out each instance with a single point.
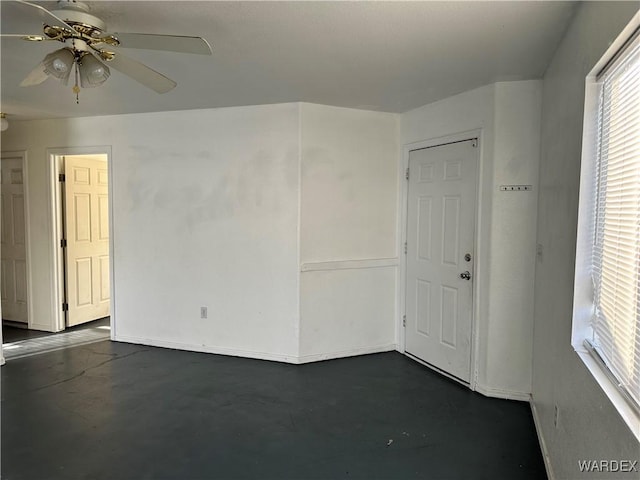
(616, 246)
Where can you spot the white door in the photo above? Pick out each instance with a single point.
(440, 250)
(13, 233)
(86, 222)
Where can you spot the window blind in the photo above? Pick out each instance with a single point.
(616, 245)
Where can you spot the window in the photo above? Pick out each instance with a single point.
(615, 332)
(606, 324)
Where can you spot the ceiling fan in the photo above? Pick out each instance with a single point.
(91, 51)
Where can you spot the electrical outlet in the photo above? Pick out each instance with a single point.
(203, 312)
(556, 415)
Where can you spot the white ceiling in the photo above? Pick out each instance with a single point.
(387, 56)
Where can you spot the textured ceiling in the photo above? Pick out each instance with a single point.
(387, 56)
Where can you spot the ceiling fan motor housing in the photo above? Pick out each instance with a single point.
(77, 15)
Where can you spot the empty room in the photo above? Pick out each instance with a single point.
(308, 239)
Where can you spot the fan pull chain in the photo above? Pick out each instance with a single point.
(76, 88)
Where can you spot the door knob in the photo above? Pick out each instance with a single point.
(465, 275)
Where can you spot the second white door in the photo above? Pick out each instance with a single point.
(440, 256)
(13, 231)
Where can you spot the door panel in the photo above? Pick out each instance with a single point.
(440, 231)
(13, 238)
(87, 232)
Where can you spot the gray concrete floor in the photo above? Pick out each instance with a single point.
(120, 411)
(12, 333)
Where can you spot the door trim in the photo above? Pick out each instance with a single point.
(479, 264)
(54, 156)
(22, 155)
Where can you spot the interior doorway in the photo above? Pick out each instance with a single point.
(81, 249)
(14, 276)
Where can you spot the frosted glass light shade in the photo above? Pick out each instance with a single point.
(92, 71)
(58, 64)
(4, 124)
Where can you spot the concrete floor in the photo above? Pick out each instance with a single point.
(120, 411)
(12, 333)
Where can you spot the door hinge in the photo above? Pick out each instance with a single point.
(65, 307)
(474, 143)
(61, 177)
(63, 243)
(406, 174)
(404, 320)
(405, 248)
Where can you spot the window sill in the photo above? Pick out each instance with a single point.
(626, 411)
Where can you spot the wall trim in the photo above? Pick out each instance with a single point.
(389, 347)
(349, 264)
(500, 393)
(235, 352)
(232, 352)
(543, 445)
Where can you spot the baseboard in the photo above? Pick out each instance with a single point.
(506, 394)
(15, 324)
(152, 342)
(233, 352)
(389, 347)
(543, 445)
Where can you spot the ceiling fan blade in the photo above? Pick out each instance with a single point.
(141, 73)
(25, 36)
(35, 77)
(45, 15)
(169, 43)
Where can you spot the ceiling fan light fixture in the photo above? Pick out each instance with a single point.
(58, 64)
(93, 72)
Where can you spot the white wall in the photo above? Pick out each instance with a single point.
(516, 156)
(348, 205)
(208, 211)
(508, 116)
(205, 213)
(588, 426)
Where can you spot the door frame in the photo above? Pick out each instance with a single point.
(479, 263)
(22, 155)
(54, 163)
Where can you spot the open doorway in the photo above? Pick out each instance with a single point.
(14, 284)
(82, 250)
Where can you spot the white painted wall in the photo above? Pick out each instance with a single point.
(208, 211)
(588, 425)
(516, 156)
(348, 251)
(349, 184)
(508, 116)
(205, 212)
